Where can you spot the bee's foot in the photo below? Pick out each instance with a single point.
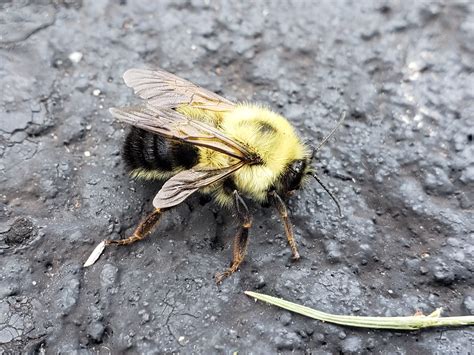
(295, 256)
(220, 276)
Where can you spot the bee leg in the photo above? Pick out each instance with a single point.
(241, 238)
(283, 211)
(143, 230)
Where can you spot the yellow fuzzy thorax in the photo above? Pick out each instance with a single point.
(264, 132)
(277, 147)
(277, 144)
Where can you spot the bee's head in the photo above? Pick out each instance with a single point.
(298, 169)
(294, 174)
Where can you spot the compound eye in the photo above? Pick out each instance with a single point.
(297, 166)
(295, 174)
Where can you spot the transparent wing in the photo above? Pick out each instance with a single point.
(165, 90)
(183, 184)
(173, 125)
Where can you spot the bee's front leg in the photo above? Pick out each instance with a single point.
(241, 238)
(143, 230)
(283, 211)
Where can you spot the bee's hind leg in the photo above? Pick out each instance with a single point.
(143, 230)
(241, 238)
(283, 211)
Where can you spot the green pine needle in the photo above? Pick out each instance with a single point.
(400, 323)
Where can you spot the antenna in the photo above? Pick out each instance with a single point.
(316, 177)
(329, 193)
(343, 117)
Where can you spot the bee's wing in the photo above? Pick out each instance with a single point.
(183, 184)
(173, 125)
(165, 90)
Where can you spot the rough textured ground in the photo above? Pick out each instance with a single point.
(402, 166)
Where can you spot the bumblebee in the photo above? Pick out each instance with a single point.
(197, 140)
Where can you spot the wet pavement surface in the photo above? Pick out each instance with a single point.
(402, 166)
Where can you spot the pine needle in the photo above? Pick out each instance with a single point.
(414, 322)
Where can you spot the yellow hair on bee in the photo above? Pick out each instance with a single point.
(265, 131)
(209, 158)
(269, 135)
(145, 174)
(223, 199)
(212, 118)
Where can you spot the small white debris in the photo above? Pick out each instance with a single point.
(181, 339)
(89, 127)
(87, 153)
(99, 249)
(96, 92)
(75, 57)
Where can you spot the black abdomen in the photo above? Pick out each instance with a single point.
(145, 150)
